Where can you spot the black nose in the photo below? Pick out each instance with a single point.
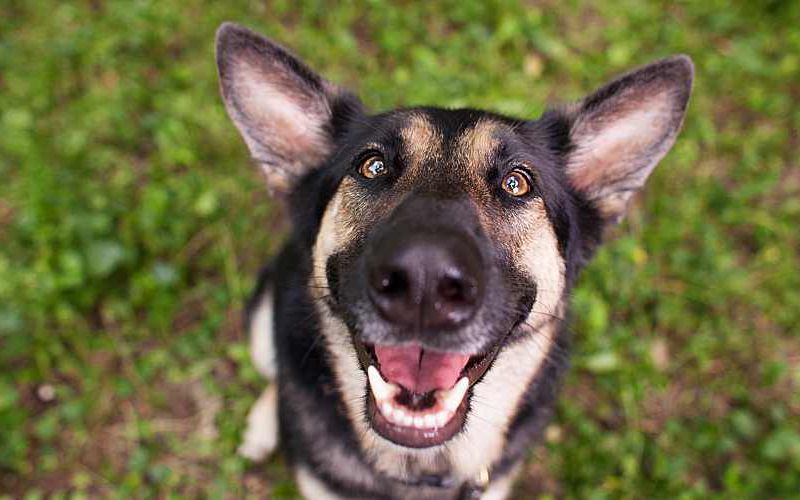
(434, 281)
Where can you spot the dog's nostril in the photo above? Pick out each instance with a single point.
(390, 291)
(454, 289)
(391, 282)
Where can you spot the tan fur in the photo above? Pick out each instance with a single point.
(335, 231)
(422, 144)
(475, 147)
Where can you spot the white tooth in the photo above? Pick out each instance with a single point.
(419, 422)
(442, 418)
(430, 420)
(380, 388)
(386, 409)
(398, 416)
(408, 420)
(453, 397)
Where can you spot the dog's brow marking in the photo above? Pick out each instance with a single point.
(477, 143)
(422, 143)
(474, 149)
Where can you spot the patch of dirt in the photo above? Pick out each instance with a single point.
(256, 484)
(535, 480)
(7, 213)
(232, 328)
(191, 312)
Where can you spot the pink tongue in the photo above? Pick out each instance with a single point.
(436, 370)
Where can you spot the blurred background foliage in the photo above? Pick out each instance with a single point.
(132, 224)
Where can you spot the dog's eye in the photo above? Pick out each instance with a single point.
(374, 166)
(517, 183)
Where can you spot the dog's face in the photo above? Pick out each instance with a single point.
(439, 246)
(444, 242)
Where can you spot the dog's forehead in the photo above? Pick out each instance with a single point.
(460, 142)
(439, 154)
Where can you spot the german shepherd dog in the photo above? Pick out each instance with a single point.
(413, 323)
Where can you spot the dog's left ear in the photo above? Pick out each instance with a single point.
(287, 114)
(619, 133)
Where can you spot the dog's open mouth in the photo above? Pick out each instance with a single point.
(417, 397)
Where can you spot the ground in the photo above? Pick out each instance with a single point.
(132, 224)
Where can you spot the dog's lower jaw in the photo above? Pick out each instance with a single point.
(482, 442)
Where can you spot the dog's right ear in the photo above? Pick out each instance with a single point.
(620, 132)
(287, 114)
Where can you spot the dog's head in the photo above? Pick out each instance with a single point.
(443, 242)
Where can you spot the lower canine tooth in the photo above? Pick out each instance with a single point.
(452, 399)
(381, 389)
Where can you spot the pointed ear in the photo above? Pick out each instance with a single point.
(619, 133)
(286, 113)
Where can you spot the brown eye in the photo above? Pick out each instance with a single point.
(517, 183)
(373, 167)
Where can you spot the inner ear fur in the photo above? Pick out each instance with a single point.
(286, 113)
(619, 133)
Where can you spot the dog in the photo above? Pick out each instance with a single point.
(413, 325)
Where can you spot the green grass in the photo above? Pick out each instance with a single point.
(131, 226)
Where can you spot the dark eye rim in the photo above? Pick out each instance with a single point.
(368, 154)
(524, 170)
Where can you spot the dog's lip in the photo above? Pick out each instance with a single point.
(413, 437)
(475, 369)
